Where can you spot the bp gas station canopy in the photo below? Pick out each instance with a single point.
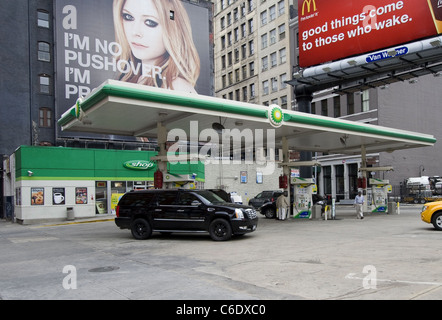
(121, 108)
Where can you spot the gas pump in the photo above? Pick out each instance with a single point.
(303, 189)
(379, 194)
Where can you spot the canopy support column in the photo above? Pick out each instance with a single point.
(162, 153)
(304, 97)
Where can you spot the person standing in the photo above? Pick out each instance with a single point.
(282, 206)
(359, 205)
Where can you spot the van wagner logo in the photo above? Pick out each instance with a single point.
(139, 164)
(310, 5)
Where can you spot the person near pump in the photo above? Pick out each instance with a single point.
(282, 206)
(359, 204)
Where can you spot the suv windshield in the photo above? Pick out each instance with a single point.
(210, 196)
(265, 194)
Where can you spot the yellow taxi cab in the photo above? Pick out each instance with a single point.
(432, 213)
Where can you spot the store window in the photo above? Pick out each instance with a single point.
(101, 197)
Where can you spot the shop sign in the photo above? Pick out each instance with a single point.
(139, 165)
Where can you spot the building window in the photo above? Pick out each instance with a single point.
(237, 95)
(337, 106)
(282, 56)
(281, 7)
(274, 84)
(45, 117)
(252, 90)
(244, 51)
(237, 77)
(250, 5)
(43, 19)
(44, 83)
(282, 80)
(365, 100)
(251, 48)
(265, 87)
(251, 28)
(263, 18)
(281, 31)
(273, 60)
(244, 94)
(272, 36)
(284, 102)
(264, 41)
(324, 108)
(264, 63)
(44, 53)
(350, 103)
(252, 68)
(272, 13)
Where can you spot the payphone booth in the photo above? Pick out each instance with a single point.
(303, 189)
(379, 194)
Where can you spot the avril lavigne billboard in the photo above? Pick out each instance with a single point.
(161, 43)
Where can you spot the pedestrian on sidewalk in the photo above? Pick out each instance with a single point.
(359, 205)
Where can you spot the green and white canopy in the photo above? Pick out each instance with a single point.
(122, 108)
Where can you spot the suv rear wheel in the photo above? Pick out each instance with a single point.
(141, 229)
(269, 212)
(220, 230)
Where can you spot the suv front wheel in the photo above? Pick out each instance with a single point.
(437, 220)
(220, 230)
(141, 229)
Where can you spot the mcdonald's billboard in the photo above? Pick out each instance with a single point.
(332, 30)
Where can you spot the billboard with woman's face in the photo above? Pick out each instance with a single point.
(161, 43)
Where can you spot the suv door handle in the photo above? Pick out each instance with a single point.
(158, 210)
(180, 210)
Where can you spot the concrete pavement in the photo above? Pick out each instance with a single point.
(380, 257)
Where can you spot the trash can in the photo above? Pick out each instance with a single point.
(316, 211)
(392, 208)
(70, 213)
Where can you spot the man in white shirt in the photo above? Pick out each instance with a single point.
(359, 202)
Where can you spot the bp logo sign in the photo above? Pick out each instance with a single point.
(275, 115)
(139, 164)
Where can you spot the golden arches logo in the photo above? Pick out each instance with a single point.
(310, 4)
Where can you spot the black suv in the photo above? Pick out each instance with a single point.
(265, 202)
(168, 211)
